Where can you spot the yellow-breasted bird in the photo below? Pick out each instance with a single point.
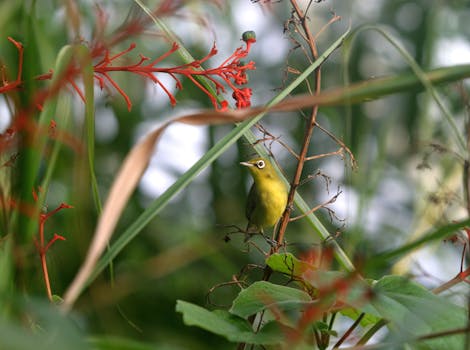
(267, 198)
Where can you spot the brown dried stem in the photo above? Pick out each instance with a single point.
(310, 125)
(301, 157)
(314, 209)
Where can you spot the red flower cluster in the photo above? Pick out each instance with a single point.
(232, 72)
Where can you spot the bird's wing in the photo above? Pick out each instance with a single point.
(251, 203)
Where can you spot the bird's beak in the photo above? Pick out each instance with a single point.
(246, 164)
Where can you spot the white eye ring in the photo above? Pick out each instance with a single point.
(260, 164)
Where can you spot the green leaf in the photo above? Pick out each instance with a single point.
(86, 66)
(57, 299)
(413, 311)
(6, 273)
(353, 314)
(118, 343)
(232, 327)
(264, 295)
(33, 151)
(44, 327)
(357, 292)
(288, 264)
(324, 328)
(341, 286)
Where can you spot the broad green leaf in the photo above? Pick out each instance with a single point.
(264, 295)
(356, 295)
(339, 286)
(288, 264)
(232, 327)
(353, 314)
(413, 311)
(117, 343)
(46, 328)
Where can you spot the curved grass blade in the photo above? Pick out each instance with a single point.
(420, 74)
(436, 234)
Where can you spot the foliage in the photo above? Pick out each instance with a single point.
(386, 139)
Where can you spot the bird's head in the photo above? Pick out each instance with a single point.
(260, 168)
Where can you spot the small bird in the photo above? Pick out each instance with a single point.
(267, 198)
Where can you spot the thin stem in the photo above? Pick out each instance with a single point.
(43, 248)
(303, 153)
(314, 209)
(310, 125)
(457, 279)
(317, 337)
(45, 273)
(301, 158)
(365, 338)
(466, 190)
(42, 255)
(349, 331)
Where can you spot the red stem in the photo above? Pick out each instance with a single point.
(43, 248)
(46, 276)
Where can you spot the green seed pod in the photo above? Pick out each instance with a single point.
(249, 35)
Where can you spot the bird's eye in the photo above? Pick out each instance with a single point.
(260, 164)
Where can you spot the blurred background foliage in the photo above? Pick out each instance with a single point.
(408, 177)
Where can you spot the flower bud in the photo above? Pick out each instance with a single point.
(249, 35)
